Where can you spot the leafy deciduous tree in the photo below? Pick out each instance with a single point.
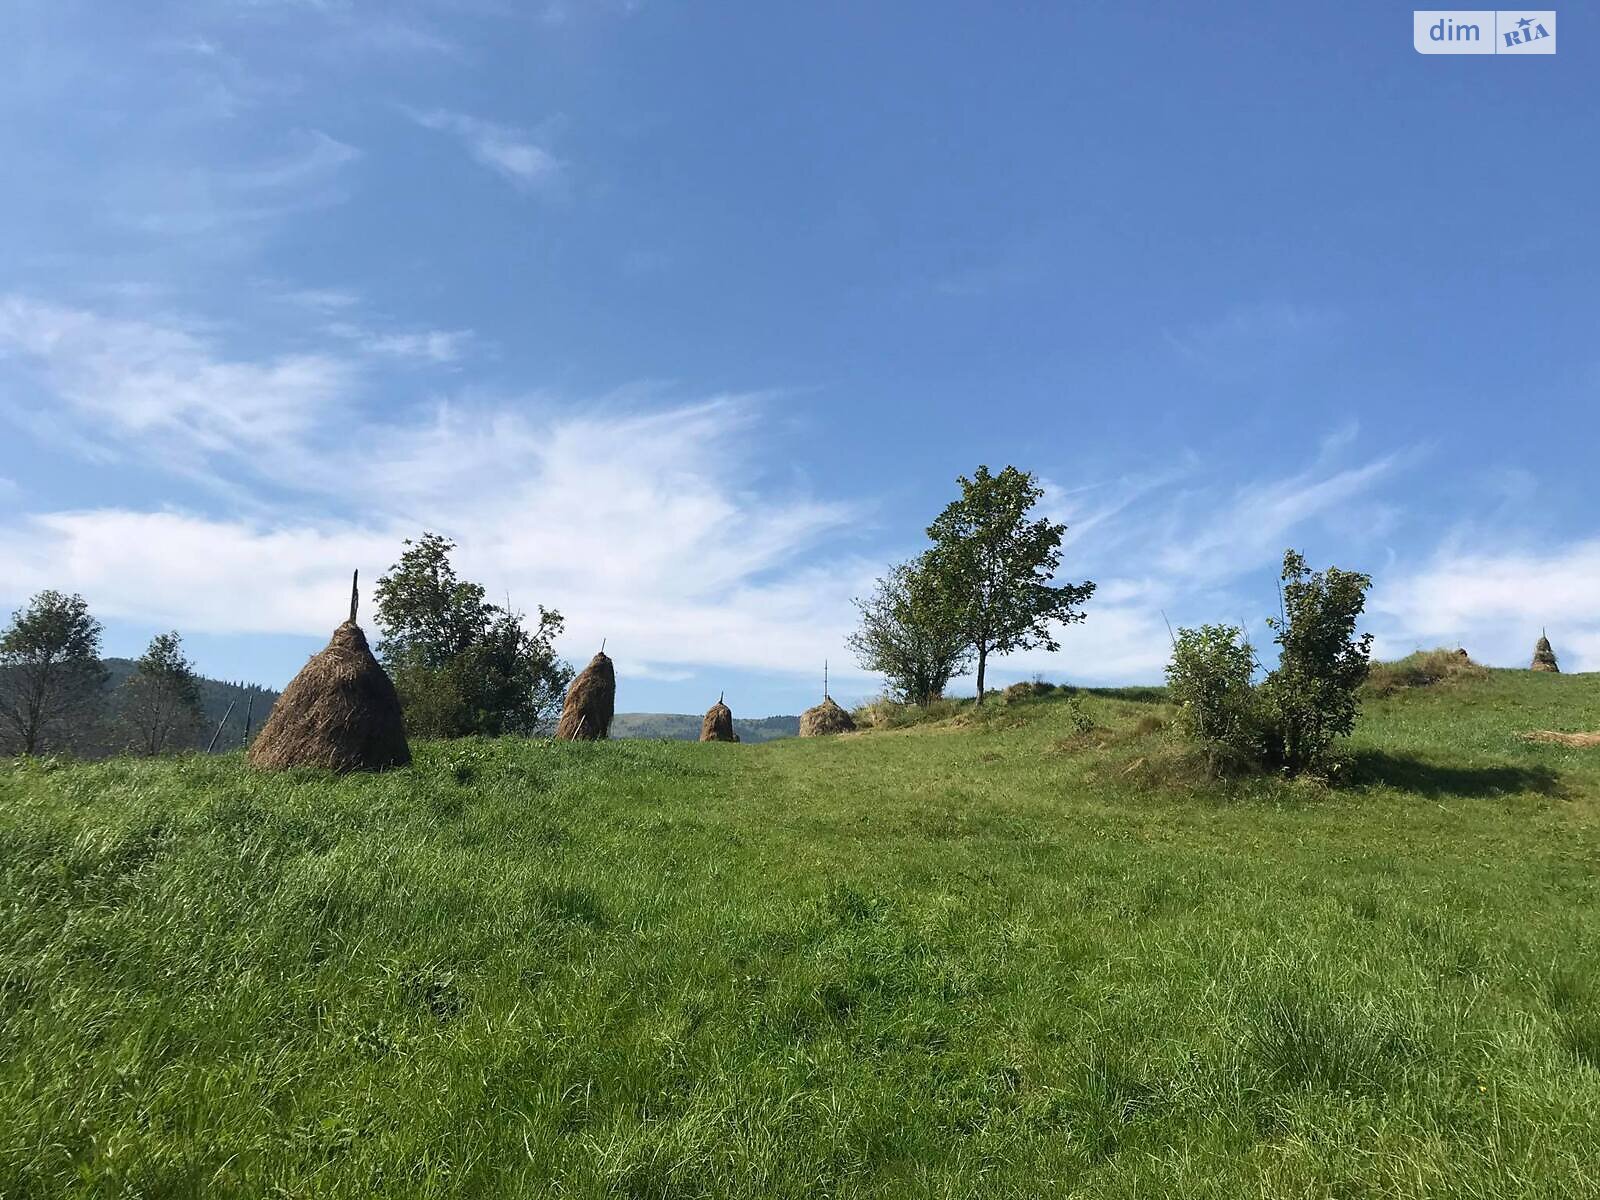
(1314, 690)
(996, 566)
(462, 665)
(161, 700)
(50, 673)
(910, 634)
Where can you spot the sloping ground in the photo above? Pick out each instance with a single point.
(1004, 962)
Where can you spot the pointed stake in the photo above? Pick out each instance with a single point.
(602, 645)
(355, 596)
(212, 745)
(824, 679)
(720, 695)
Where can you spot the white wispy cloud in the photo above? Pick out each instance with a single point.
(321, 300)
(645, 526)
(1244, 339)
(1494, 601)
(426, 345)
(194, 201)
(1249, 528)
(137, 382)
(511, 153)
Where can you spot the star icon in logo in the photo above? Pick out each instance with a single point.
(1525, 22)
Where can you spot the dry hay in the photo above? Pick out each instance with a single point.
(826, 718)
(1027, 690)
(1544, 658)
(1578, 741)
(341, 713)
(718, 724)
(1424, 668)
(591, 703)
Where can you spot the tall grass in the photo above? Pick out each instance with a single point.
(959, 960)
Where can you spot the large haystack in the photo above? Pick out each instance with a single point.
(1544, 658)
(591, 702)
(340, 713)
(826, 718)
(718, 724)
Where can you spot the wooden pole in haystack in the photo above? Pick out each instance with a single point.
(826, 718)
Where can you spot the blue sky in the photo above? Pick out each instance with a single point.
(683, 318)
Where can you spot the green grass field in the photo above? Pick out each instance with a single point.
(990, 958)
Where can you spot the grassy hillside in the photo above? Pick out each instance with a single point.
(993, 956)
(684, 727)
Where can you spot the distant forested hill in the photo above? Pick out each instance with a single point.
(215, 696)
(681, 727)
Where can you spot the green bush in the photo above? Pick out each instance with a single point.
(1210, 680)
(1292, 720)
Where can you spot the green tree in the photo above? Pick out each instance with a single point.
(462, 665)
(910, 635)
(50, 674)
(996, 567)
(160, 701)
(1314, 692)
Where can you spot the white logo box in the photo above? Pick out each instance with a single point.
(1484, 31)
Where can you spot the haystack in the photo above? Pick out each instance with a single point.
(340, 713)
(591, 702)
(718, 724)
(1544, 658)
(826, 718)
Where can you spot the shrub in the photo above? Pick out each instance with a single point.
(1209, 679)
(1322, 663)
(1291, 721)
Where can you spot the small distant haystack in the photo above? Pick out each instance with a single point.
(591, 702)
(340, 713)
(826, 718)
(1544, 658)
(718, 724)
